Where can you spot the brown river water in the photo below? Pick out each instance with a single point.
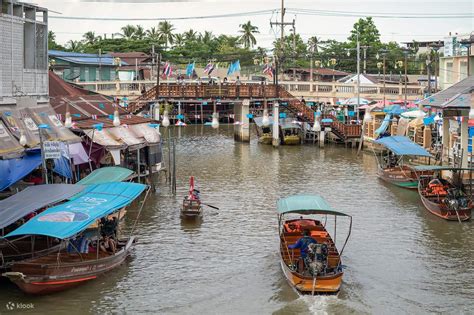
(399, 259)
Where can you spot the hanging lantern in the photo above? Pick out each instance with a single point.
(68, 121)
(116, 121)
(215, 121)
(266, 118)
(166, 120)
(367, 117)
(23, 140)
(316, 126)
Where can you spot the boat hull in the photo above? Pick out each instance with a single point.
(398, 179)
(323, 285)
(46, 278)
(265, 139)
(441, 210)
(291, 140)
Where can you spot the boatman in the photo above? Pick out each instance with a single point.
(303, 244)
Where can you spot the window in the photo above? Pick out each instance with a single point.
(462, 70)
(449, 72)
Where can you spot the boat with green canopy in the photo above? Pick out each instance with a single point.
(310, 259)
(107, 174)
(78, 261)
(396, 166)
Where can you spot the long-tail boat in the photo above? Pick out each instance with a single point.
(290, 131)
(393, 168)
(191, 207)
(74, 263)
(264, 133)
(443, 195)
(21, 207)
(320, 272)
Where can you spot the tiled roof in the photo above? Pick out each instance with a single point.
(456, 96)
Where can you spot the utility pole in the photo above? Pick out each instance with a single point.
(358, 75)
(365, 57)
(158, 64)
(428, 72)
(294, 50)
(405, 52)
(279, 59)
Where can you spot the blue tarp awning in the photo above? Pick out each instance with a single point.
(34, 198)
(402, 146)
(70, 218)
(12, 170)
(384, 126)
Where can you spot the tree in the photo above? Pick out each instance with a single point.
(247, 38)
(368, 33)
(90, 38)
(153, 33)
(165, 30)
(75, 46)
(179, 40)
(139, 32)
(315, 44)
(52, 42)
(190, 35)
(128, 31)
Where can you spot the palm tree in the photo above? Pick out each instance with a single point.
(165, 29)
(179, 40)
(247, 38)
(190, 35)
(128, 31)
(90, 38)
(139, 32)
(75, 45)
(206, 38)
(152, 33)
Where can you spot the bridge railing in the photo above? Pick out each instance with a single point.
(297, 88)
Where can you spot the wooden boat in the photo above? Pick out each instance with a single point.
(392, 167)
(444, 199)
(321, 272)
(264, 133)
(77, 261)
(60, 271)
(191, 207)
(290, 132)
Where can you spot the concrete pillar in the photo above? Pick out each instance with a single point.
(464, 140)
(445, 139)
(322, 135)
(242, 130)
(276, 125)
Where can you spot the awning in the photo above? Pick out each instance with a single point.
(34, 198)
(146, 133)
(287, 123)
(105, 139)
(413, 114)
(13, 170)
(125, 135)
(70, 218)
(106, 175)
(17, 124)
(259, 121)
(306, 204)
(9, 146)
(402, 146)
(384, 126)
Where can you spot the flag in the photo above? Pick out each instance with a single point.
(190, 70)
(94, 117)
(268, 70)
(233, 67)
(59, 116)
(209, 67)
(167, 70)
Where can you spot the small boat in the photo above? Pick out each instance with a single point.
(290, 131)
(321, 271)
(74, 263)
(442, 197)
(21, 207)
(191, 207)
(264, 133)
(393, 168)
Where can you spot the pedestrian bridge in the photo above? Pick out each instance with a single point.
(319, 91)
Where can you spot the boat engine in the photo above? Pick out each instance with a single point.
(456, 200)
(317, 258)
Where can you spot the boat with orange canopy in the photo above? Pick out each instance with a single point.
(191, 207)
(320, 272)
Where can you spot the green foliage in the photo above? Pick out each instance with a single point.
(52, 42)
(368, 32)
(248, 31)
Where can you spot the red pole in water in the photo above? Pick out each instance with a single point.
(191, 187)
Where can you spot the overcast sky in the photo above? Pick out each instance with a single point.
(397, 29)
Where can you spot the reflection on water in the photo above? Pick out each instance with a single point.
(400, 258)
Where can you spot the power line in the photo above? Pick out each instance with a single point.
(379, 15)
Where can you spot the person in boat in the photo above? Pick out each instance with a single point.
(108, 245)
(195, 195)
(302, 244)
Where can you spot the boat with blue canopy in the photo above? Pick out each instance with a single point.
(396, 166)
(22, 206)
(310, 259)
(79, 260)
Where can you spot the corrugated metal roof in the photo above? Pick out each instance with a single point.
(59, 87)
(84, 106)
(456, 96)
(86, 59)
(108, 123)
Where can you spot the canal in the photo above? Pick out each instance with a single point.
(400, 258)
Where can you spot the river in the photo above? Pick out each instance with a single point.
(399, 259)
